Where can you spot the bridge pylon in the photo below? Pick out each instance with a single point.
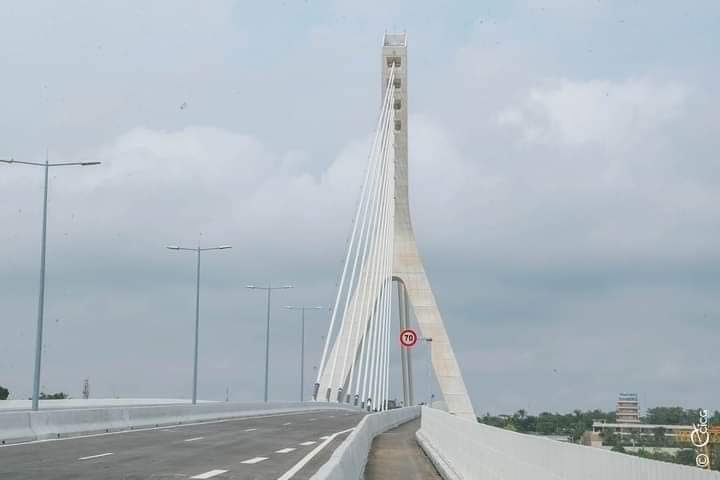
(390, 255)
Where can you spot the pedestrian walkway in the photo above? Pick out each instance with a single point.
(395, 454)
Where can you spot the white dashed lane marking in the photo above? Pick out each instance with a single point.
(286, 424)
(305, 444)
(249, 429)
(285, 450)
(193, 439)
(95, 456)
(298, 466)
(210, 474)
(149, 429)
(255, 460)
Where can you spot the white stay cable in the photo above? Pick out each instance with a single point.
(369, 184)
(387, 282)
(375, 338)
(352, 236)
(380, 299)
(382, 310)
(368, 288)
(361, 284)
(391, 258)
(365, 291)
(388, 279)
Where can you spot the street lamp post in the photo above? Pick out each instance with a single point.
(269, 288)
(428, 343)
(302, 309)
(197, 250)
(41, 294)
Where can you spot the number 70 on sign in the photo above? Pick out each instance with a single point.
(408, 338)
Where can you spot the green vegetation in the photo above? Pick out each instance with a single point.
(671, 416)
(53, 396)
(686, 456)
(572, 425)
(4, 393)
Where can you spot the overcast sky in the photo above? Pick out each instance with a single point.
(564, 187)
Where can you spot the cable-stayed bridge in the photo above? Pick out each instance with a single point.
(334, 436)
(382, 257)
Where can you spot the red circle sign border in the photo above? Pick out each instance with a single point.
(415, 337)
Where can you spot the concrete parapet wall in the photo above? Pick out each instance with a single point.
(19, 426)
(465, 450)
(348, 460)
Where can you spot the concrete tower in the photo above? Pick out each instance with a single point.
(413, 285)
(408, 272)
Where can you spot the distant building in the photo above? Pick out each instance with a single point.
(627, 424)
(627, 409)
(627, 430)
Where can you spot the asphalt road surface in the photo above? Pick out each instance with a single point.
(269, 447)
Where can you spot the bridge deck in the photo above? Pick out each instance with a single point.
(395, 454)
(255, 447)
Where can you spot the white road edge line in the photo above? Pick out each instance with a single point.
(298, 466)
(210, 474)
(250, 461)
(95, 456)
(193, 439)
(148, 429)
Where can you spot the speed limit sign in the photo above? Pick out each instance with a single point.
(408, 338)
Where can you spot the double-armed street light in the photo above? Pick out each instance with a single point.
(269, 288)
(302, 308)
(41, 295)
(198, 250)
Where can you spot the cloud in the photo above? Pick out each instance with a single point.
(563, 190)
(578, 113)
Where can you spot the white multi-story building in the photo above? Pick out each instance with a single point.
(628, 408)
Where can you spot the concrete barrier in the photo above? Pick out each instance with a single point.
(16, 426)
(466, 450)
(28, 425)
(348, 460)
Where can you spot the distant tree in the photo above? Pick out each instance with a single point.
(53, 396)
(609, 437)
(571, 424)
(546, 423)
(577, 432)
(492, 420)
(715, 419)
(671, 416)
(511, 426)
(659, 435)
(686, 456)
(527, 424)
(4, 393)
